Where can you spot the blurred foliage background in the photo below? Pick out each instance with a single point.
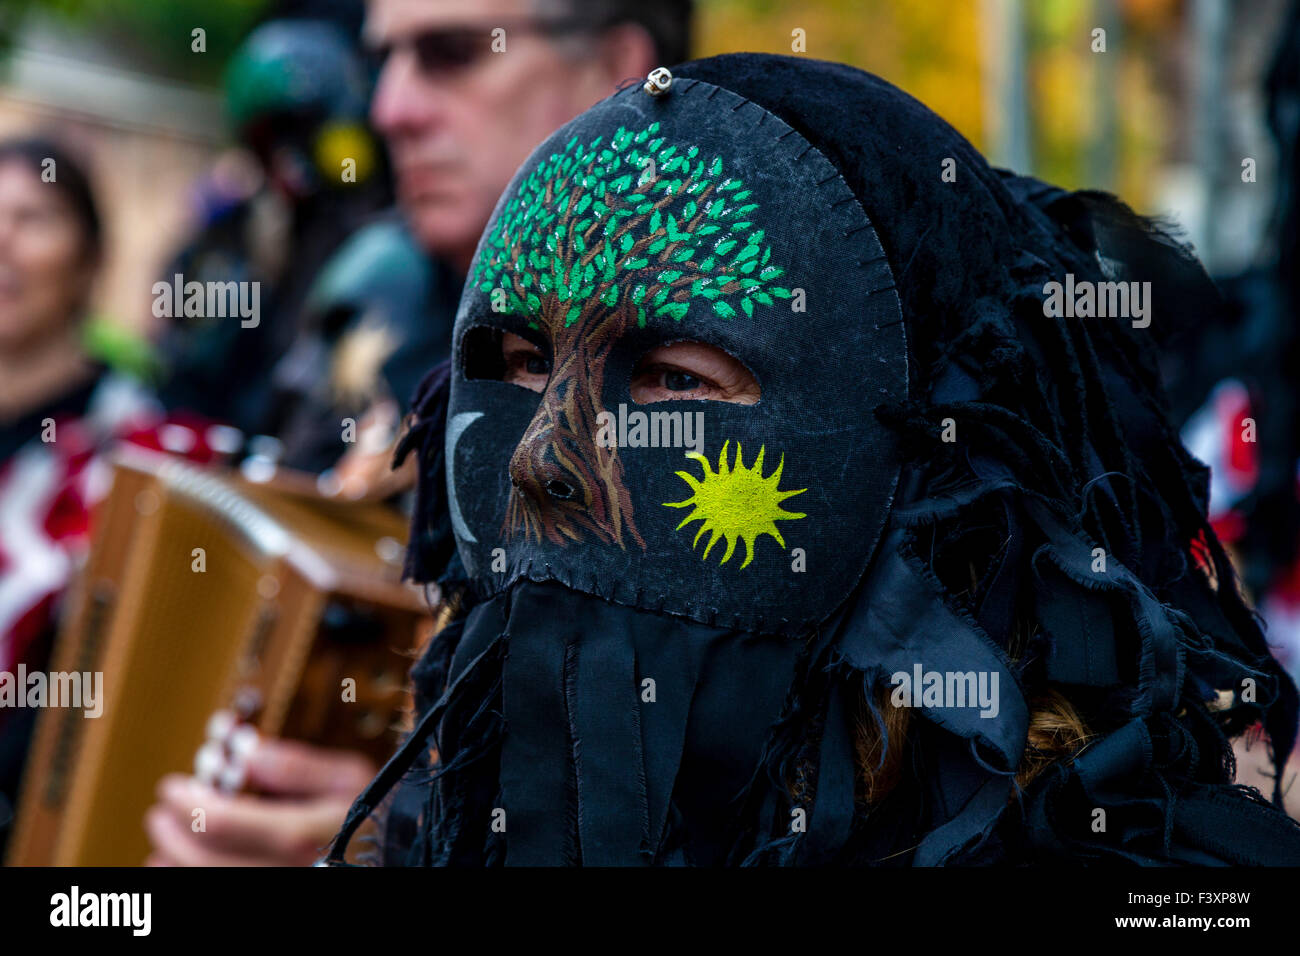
(936, 51)
(932, 50)
(153, 33)
(1163, 117)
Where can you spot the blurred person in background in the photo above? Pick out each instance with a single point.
(308, 174)
(62, 408)
(1234, 382)
(459, 110)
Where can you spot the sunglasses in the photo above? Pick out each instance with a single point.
(447, 50)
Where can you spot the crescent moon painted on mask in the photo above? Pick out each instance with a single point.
(455, 428)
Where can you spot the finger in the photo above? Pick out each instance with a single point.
(291, 768)
(180, 846)
(171, 786)
(393, 481)
(290, 832)
(355, 487)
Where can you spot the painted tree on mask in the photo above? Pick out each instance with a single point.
(596, 239)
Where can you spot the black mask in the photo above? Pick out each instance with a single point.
(760, 517)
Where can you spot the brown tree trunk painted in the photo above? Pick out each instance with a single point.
(565, 481)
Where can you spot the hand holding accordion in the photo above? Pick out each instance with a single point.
(207, 594)
(299, 796)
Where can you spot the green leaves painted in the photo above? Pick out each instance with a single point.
(631, 224)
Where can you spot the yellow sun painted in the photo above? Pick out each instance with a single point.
(735, 502)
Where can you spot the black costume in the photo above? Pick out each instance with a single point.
(667, 659)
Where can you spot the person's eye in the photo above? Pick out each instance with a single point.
(662, 382)
(524, 363)
(36, 216)
(675, 380)
(692, 371)
(441, 51)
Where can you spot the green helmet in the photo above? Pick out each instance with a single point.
(304, 67)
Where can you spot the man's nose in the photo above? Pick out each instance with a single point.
(402, 100)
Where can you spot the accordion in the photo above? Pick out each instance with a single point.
(203, 593)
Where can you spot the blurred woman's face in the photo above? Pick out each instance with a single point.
(45, 269)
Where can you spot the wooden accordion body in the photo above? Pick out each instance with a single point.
(297, 595)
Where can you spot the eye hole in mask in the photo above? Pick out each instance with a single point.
(675, 371)
(497, 355)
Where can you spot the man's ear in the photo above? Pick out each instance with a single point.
(626, 51)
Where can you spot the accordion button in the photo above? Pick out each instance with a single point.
(231, 778)
(390, 550)
(248, 701)
(242, 742)
(208, 762)
(220, 724)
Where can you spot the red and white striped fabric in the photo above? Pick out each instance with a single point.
(48, 492)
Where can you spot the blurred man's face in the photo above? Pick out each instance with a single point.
(457, 133)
